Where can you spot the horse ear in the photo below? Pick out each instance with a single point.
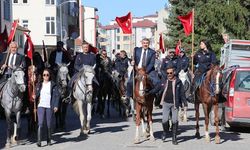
(59, 65)
(68, 64)
(14, 67)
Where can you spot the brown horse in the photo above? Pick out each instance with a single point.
(207, 95)
(144, 104)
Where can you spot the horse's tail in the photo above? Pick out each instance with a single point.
(76, 107)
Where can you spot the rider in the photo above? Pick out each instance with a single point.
(203, 59)
(83, 58)
(121, 66)
(13, 60)
(144, 57)
(169, 59)
(183, 61)
(59, 56)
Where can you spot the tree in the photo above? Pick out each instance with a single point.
(212, 18)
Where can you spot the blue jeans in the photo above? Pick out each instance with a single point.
(47, 112)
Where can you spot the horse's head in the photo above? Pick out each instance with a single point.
(215, 77)
(88, 75)
(63, 74)
(18, 78)
(142, 85)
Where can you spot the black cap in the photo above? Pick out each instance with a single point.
(60, 43)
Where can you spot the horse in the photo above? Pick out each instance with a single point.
(82, 93)
(119, 91)
(62, 79)
(11, 100)
(185, 78)
(144, 104)
(207, 95)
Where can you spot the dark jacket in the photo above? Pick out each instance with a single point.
(180, 97)
(54, 101)
(20, 60)
(168, 62)
(84, 59)
(52, 58)
(121, 65)
(150, 60)
(183, 63)
(203, 61)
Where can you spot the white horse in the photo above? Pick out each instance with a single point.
(82, 93)
(11, 100)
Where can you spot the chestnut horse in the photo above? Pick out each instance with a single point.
(143, 104)
(207, 95)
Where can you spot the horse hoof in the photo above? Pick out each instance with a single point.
(136, 141)
(197, 135)
(152, 138)
(207, 139)
(217, 139)
(7, 145)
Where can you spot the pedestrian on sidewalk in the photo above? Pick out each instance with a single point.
(173, 96)
(47, 97)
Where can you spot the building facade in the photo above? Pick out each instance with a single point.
(50, 20)
(112, 38)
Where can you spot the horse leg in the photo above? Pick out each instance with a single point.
(81, 116)
(150, 121)
(197, 117)
(17, 124)
(216, 120)
(132, 105)
(8, 121)
(143, 128)
(89, 116)
(138, 120)
(206, 113)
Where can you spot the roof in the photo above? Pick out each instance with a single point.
(139, 24)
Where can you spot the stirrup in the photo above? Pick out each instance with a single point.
(67, 99)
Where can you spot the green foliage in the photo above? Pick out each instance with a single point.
(212, 18)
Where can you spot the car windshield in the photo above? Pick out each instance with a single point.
(242, 81)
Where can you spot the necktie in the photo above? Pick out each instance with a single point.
(144, 59)
(12, 60)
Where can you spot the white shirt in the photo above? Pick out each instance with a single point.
(140, 63)
(58, 58)
(45, 95)
(10, 57)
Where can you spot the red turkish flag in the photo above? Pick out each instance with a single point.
(161, 44)
(178, 48)
(29, 47)
(125, 22)
(12, 31)
(93, 49)
(187, 22)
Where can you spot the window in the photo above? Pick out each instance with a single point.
(126, 38)
(118, 30)
(118, 46)
(50, 25)
(7, 10)
(25, 23)
(242, 82)
(143, 30)
(50, 2)
(15, 1)
(126, 47)
(118, 38)
(25, 1)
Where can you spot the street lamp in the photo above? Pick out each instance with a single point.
(60, 5)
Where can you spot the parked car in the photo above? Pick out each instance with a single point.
(236, 91)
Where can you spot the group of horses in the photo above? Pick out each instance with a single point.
(86, 94)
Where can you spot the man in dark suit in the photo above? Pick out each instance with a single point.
(144, 57)
(13, 60)
(59, 56)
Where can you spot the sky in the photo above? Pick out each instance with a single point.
(109, 9)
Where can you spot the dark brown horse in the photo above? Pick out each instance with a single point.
(144, 104)
(207, 95)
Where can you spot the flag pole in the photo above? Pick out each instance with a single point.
(33, 89)
(132, 55)
(192, 41)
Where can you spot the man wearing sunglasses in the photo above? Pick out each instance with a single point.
(172, 98)
(170, 59)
